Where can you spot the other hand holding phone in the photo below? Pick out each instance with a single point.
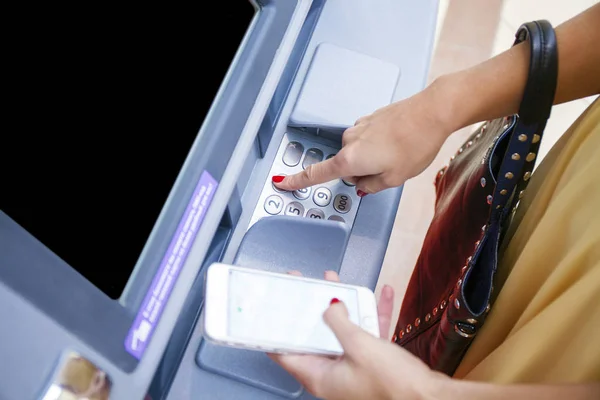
(370, 368)
(260, 310)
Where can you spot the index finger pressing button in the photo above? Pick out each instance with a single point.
(276, 188)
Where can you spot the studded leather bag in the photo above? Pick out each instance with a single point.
(449, 293)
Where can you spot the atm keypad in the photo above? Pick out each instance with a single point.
(273, 204)
(302, 194)
(342, 203)
(311, 157)
(315, 213)
(322, 197)
(294, 209)
(328, 201)
(336, 218)
(293, 154)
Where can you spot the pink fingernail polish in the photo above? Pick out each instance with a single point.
(334, 300)
(278, 178)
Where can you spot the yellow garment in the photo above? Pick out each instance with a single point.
(544, 326)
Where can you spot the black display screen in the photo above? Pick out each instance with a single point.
(104, 105)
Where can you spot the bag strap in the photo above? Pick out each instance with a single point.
(534, 111)
(540, 88)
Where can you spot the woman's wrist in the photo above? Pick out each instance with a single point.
(489, 90)
(444, 104)
(435, 386)
(494, 88)
(445, 95)
(447, 389)
(439, 387)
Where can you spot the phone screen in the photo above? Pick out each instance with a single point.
(284, 312)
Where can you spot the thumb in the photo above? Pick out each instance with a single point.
(371, 184)
(348, 333)
(314, 174)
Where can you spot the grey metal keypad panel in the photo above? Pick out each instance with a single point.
(335, 200)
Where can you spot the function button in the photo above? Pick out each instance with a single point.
(348, 183)
(330, 156)
(342, 203)
(302, 194)
(315, 213)
(276, 188)
(312, 156)
(294, 209)
(322, 196)
(293, 154)
(273, 204)
(336, 218)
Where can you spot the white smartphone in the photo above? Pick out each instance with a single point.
(279, 313)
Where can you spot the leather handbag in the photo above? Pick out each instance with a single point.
(449, 293)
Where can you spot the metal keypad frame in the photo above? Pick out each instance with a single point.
(284, 243)
(335, 200)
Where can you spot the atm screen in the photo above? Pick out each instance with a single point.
(103, 112)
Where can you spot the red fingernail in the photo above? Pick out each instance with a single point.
(334, 300)
(360, 193)
(278, 178)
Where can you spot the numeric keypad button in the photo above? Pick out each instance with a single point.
(312, 156)
(336, 218)
(294, 209)
(315, 213)
(322, 197)
(330, 156)
(293, 154)
(342, 203)
(273, 204)
(347, 183)
(302, 194)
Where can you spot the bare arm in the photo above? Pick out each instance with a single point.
(373, 368)
(454, 389)
(494, 88)
(399, 141)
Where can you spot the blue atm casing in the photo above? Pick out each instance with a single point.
(149, 342)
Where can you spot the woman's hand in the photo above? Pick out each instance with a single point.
(370, 368)
(399, 141)
(384, 149)
(385, 306)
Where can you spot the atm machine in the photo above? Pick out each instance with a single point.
(304, 70)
